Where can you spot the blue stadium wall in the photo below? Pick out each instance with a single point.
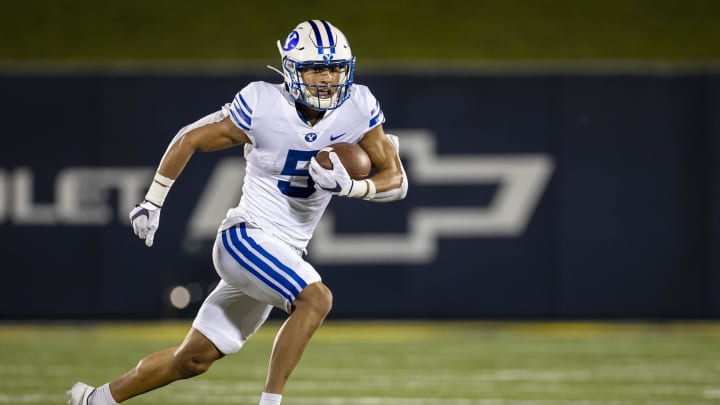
(533, 196)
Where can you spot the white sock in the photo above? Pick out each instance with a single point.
(270, 399)
(101, 396)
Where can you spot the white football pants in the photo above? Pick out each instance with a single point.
(258, 272)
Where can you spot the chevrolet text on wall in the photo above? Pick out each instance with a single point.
(82, 198)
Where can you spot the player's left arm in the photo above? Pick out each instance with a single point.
(389, 177)
(213, 136)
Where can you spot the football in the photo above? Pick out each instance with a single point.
(353, 157)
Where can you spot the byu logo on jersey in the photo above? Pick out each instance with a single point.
(291, 41)
(311, 137)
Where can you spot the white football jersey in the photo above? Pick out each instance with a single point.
(278, 194)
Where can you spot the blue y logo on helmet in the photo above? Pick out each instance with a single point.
(291, 41)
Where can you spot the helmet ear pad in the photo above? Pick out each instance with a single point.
(316, 43)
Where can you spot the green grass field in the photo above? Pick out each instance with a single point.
(407, 363)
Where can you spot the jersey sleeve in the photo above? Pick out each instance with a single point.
(376, 114)
(372, 106)
(241, 108)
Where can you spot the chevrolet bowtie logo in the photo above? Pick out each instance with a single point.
(521, 180)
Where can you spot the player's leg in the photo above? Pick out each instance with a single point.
(273, 272)
(224, 322)
(193, 357)
(310, 309)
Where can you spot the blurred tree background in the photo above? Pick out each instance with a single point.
(171, 33)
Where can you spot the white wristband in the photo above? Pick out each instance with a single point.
(159, 189)
(364, 189)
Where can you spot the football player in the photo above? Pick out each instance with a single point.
(259, 249)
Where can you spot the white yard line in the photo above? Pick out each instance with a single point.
(32, 398)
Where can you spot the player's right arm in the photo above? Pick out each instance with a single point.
(214, 136)
(207, 138)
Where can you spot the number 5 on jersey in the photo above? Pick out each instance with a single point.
(300, 172)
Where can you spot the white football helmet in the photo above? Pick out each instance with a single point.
(317, 44)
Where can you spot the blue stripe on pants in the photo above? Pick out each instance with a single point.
(290, 272)
(248, 259)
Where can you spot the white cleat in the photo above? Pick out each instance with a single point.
(79, 394)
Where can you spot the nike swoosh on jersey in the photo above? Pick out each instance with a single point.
(334, 137)
(335, 189)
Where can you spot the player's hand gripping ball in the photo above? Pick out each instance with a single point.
(354, 158)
